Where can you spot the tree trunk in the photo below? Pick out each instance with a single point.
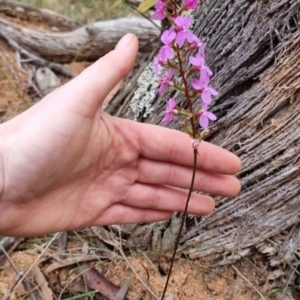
(253, 47)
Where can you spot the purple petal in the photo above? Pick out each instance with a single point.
(168, 36)
(201, 58)
(164, 37)
(208, 70)
(212, 91)
(187, 21)
(206, 97)
(189, 36)
(194, 61)
(211, 116)
(161, 89)
(179, 21)
(168, 118)
(171, 37)
(169, 54)
(162, 54)
(160, 5)
(204, 78)
(171, 104)
(197, 84)
(157, 15)
(203, 121)
(165, 53)
(191, 4)
(180, 38)
(204, 107)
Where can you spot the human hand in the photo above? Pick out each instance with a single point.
(65, 164)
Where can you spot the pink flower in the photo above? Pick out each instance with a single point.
(202, 86)
(166, 52)
(205, 116)
(171, 104)
(199, 62)
(197, 43)
(160, 11)
(165, 81)
(183, 33)
(191, 4)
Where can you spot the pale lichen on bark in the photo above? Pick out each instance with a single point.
(141, 105)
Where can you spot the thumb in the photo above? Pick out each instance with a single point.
(95, 82)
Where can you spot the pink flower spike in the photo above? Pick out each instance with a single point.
(171, 104)
(165, 81)
(183, 24)
(159, 14)
(191, 4)
(199, 62)
(206, 116)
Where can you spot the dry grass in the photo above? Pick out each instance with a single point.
(84, 10)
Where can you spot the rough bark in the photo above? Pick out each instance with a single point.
(253, 48)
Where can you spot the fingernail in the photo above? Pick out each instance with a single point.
(125, 41)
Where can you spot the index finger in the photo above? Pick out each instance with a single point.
(163, 144)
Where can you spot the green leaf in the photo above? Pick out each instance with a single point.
(146, 5)
(114, 5)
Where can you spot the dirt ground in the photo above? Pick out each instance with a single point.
(190, 279)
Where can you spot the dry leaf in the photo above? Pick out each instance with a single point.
(68, 261)
(121, 295)
(42, 283)
(96, 281)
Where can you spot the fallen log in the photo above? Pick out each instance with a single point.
(86, 43)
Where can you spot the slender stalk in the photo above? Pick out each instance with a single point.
(190, 104)
(182, 222)
(186, 88)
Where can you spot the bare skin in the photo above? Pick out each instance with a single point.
(65, 164)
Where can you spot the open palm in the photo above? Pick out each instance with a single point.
(66, 164)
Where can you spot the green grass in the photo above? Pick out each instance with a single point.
(85, 11)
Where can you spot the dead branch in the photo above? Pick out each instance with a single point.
(28, 12)
(86, 43)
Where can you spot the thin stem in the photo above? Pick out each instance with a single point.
(190, 104)
(182, 222)
(186, 88)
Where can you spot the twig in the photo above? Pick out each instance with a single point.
(257, 291)
(7, 243)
